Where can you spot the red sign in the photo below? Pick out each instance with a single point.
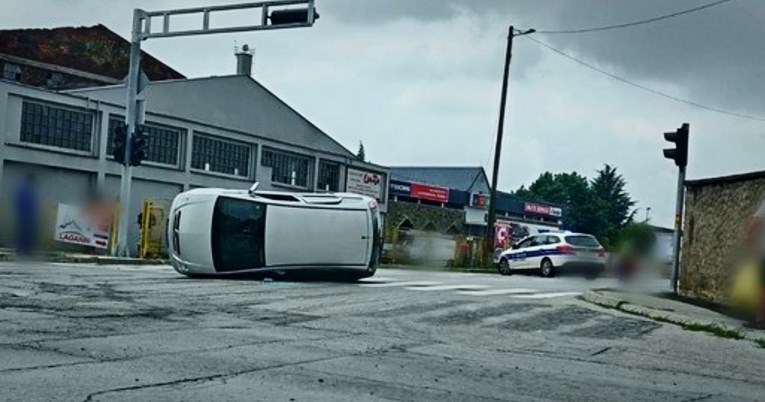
(432, 193)
(542, 209)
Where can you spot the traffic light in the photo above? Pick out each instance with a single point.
(680, 152)
(138, 145)
(118, 144)
(292, 16)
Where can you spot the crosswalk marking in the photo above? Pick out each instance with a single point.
(547, 295)
(496, 292)
(446, 287)
(395, 284)
(465, 289)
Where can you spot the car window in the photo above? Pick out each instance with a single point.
(552, 240)
(537, 241)
(582, 241)
(525, 243)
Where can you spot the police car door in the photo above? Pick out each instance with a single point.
(518, 255)
(534, 253)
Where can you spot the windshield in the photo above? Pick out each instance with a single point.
(237, 234)
(582, 241)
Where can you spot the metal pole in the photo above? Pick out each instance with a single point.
(678, 228)
(131, 118)
(498, 147)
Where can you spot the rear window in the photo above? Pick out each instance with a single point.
(582, 241)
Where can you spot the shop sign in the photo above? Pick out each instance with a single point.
(542, 209)
(84, 226)
(400, 188)
(365, 183)
(480, 200)
(431, 193)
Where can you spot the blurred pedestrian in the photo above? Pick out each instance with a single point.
(755, 237)
(27, 219)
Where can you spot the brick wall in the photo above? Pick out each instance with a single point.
(716, 214)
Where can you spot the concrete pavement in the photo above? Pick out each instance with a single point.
(89, 332)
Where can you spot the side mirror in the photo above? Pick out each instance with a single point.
(515, 246)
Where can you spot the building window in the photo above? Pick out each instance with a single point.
(220, 156)
(12, 72)
(329, 176)
(162, 142)
(57, 127)
(288, 168)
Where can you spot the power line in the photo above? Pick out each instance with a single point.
(643, 87)
(639, 22)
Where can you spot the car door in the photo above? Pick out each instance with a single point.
(517, 254)
(534, 252)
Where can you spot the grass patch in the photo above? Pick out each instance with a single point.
(760, 342)
(715, 330)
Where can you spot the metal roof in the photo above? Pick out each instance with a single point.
(234, 102)
(460, 178)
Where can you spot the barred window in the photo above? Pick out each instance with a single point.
(221, 156)
(56, 126)
(329, 176)
(162, 142)
(288, 168)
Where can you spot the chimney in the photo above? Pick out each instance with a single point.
(244, 61)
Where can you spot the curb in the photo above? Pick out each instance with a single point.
(88, 259)
(594, 297)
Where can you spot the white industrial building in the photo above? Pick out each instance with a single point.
(227, 131)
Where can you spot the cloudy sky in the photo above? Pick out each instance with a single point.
(418, 81)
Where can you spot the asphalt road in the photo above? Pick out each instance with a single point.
(145, 333)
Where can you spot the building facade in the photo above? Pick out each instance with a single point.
(210, 132)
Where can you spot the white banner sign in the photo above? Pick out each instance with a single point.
(74, 225)
(365, 183)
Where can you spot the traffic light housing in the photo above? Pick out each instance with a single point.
(138, 145)
(119, 142)
(292, 16)
(680, 153)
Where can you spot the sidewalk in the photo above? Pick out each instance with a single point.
(666, 308)
(9, 255)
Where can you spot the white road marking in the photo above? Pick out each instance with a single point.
(446, 287)
(496, 292)
(392, 284)
(547, 295)
(376, 279)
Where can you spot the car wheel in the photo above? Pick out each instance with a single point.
(547, 269)
(504, 267)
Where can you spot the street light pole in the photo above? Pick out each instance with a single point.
(498, 147)
(282, 14)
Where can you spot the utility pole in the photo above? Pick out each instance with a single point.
(680, 155)
(282, 15)
(498, 147)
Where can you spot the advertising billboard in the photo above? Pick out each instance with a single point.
(365, 183)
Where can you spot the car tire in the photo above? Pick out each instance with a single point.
(546, 268)
(504, 267)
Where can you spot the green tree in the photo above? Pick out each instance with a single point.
(360, 154)
(583, 210)
(608, 187)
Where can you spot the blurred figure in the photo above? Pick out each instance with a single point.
(755, 238)
(27, 219)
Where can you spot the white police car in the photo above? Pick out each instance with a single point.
(554, 253)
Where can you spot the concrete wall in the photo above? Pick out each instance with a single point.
(715, 217)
